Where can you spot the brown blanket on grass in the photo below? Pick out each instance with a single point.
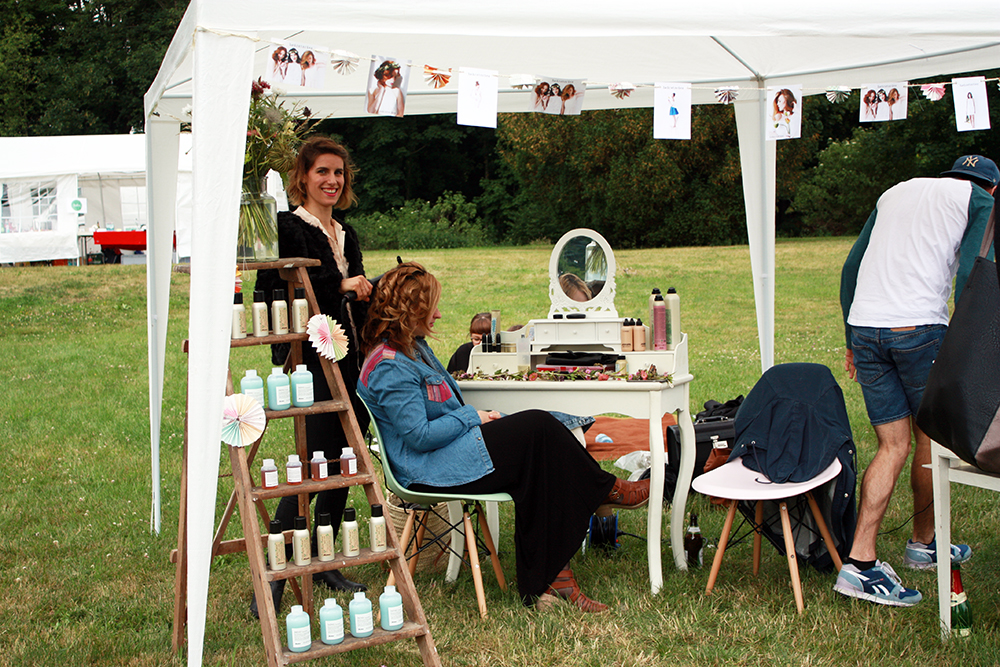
(629, 435)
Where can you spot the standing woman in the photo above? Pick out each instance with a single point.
(321, 184)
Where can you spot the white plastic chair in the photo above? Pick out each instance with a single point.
(947, 468)
(737, 482)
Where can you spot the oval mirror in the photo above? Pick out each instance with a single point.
(581, 274)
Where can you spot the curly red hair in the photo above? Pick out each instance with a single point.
(400, 305)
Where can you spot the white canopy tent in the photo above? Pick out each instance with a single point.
(221, 45)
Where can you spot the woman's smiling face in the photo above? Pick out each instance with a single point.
(325, 180)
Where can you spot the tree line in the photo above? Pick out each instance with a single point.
(82, 67)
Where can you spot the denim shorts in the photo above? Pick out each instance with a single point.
(893, 367)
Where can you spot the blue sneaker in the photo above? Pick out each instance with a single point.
(879, 585)
(924, 556)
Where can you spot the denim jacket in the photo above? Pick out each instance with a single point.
(429, 433)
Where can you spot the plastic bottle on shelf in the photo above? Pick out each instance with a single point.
(324, 538)
(649, 331)
(360, 609)
(252, 385)
(331, 622)
(276, 547)
(639, 336)
(377, 530)
(297, 625)
(319, 467)
(269, 474)
(239, 317)
(293, 470)
(259, 314)
(659, 323)
(348, 462)
(301, 548)
(351, 539)
(302, 387)
(673, 304)
(626, 335)
(300, 311)
(279, 313)
(279, 395)
(390, 605)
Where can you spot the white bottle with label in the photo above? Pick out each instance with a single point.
(259, 314)
(300, 311)
(351, 539)
(673, 303)
(239, 317)
(324, 538)
(377, 530)
(301, 548)
(279, 313)
(276, 547)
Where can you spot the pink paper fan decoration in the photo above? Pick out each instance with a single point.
(932, 91)
(727, 94)
(243, 420)
(436, 78)
(622, 89)
(327, 337)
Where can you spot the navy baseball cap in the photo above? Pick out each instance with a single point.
(978, 167)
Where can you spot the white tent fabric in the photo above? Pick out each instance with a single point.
(221, 45)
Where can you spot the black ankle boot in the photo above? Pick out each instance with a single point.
(338, 582)
(277, 589)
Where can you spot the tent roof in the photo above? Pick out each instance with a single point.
(92, 154)
(709, 44)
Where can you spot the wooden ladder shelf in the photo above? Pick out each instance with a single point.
(249, 498)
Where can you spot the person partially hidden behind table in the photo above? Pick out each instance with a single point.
(478, 327)
(438, 443)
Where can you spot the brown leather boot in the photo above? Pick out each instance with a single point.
(628, 495)
(565, 586)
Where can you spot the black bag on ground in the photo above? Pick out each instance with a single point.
(961, 403)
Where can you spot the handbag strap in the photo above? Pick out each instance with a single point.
(988, 235)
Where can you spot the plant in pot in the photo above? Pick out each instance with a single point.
(274, 134)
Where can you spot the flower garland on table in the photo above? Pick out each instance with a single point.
(645, 375)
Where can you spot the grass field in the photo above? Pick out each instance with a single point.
(86, 583)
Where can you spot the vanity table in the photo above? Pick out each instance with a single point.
(593, 325)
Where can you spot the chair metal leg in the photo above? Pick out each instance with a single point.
(824, 531)
(488, 539)
(723, 539)
(793, 565)
(758, 520)
(477, 573)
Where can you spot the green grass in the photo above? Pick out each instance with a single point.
(87, 584)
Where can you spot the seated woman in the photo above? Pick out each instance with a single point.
(478, 327)
(438, 443)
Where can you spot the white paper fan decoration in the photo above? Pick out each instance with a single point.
(622, 89)
(436, 78)
(243, 420)
(344, 62)
(327, 337)
(932, 91)
(727, 94)
(838, 94)
(521, 81)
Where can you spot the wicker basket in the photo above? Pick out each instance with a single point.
(435, 557)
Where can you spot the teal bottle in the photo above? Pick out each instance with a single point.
(299, 633)
(360, 610)
(279, 395)
(390, 605)
(331, 622)
(302, 387)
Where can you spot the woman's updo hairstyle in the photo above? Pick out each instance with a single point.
(309, 152)
(400, 305)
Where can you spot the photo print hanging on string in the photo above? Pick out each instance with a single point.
(784, 112)
(292, 65)
(672, 111)
(560, 97)
(388, 81)
(883, 102)
(477, 97)
(971, 107)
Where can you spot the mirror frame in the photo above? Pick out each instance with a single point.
(601, 306)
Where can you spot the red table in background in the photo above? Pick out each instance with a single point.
(115, 240)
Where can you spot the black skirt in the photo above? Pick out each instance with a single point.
(556, 486)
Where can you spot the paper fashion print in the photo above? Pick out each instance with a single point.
(477, 97)
(784, 112)
(971, 110)
(388, 81)
(883, 101)
(561, 97)
(672, 111)
(296, 65)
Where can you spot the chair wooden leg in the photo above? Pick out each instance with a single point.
(758, 520)
(793, 565)
(488, 538)
(419, 542)
(477, 573)
(824, 531)
(403, 541)
(723, 539)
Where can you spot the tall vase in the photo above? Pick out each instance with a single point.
(257, 240)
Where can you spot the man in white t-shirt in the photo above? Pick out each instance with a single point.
(894, 291)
